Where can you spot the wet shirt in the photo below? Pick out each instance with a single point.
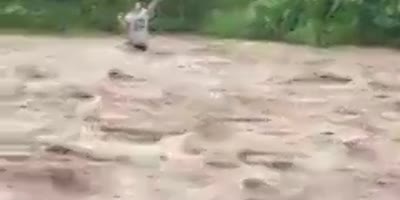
(138, 26)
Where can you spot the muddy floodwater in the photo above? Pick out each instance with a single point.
(196, 118)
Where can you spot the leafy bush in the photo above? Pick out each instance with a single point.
(315, 22)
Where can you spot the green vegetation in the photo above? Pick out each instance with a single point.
(315, 22)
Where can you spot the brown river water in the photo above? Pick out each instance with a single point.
(197, 118)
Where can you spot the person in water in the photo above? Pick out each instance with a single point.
(137, 23)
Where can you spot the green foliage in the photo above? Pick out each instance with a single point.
(232, 23)
(315, 22)
(61, 15)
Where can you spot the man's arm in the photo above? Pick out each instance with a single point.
(122, 21)
(152, 6)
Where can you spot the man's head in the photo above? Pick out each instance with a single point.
(138, 6)
(141, 4)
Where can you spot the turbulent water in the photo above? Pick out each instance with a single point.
(195, 118)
